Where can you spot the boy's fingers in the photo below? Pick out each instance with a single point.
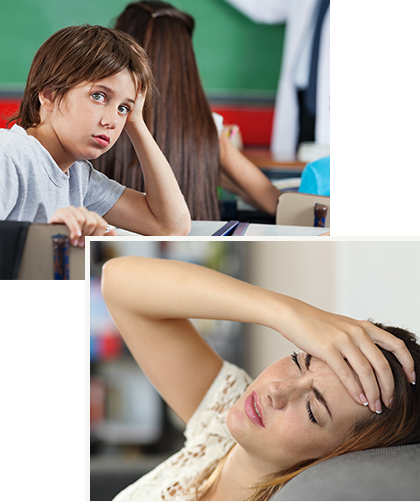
(68, 218)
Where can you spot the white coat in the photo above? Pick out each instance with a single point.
(300, 17)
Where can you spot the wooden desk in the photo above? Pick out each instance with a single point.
(264, 159)
(37, 258)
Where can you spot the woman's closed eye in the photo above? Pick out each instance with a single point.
(310, 414)
(308, 403)
(295, 360)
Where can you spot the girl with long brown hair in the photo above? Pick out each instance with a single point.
(181, 121)
(351, 388)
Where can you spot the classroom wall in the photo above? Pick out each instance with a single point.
(378, 280)
(239, 61)
(236, 57)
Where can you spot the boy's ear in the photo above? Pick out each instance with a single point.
(46, 98)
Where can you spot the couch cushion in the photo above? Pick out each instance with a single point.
(379, 474)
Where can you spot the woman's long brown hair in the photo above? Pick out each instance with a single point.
(395, 426)
(179, 116)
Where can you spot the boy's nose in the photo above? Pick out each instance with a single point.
(109, 122)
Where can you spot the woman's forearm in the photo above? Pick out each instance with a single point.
(165, 289)
(156, 290)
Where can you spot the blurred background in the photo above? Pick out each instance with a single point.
(132, 430)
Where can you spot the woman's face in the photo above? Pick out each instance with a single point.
(297, 409)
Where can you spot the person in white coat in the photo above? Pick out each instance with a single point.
(301, 18)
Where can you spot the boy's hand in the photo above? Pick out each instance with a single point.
(136, 114)
(81, 223)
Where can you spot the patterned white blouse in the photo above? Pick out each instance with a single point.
(207, 441)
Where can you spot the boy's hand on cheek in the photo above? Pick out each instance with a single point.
(136, 113)
(81, 223)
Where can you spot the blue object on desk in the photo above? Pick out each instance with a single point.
(227, 228)
(316, 177)
(241, 228)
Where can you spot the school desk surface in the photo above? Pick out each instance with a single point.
(208, 228)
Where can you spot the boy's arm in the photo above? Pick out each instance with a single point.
(162, 210)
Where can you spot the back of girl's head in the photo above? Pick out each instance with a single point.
(79, 54)
(138, 19)
(179, 118)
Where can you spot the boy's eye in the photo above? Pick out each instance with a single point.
(98, 96)
(124, 109)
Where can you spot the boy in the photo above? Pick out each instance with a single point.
(86, 84)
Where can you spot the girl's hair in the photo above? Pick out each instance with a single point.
(395, 426)
(79, 54)
(179, 117)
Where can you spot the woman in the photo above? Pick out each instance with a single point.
(244, 438)
(181, 121)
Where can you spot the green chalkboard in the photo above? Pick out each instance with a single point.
(236, 56)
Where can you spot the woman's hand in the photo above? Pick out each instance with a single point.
(81, 222)
(336, 339)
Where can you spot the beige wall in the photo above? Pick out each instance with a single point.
(360, 279)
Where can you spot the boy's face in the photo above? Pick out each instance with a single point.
(91, 117)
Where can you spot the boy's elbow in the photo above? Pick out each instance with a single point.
(185, 226)
(181, 226)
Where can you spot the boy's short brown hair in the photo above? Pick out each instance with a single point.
(78, 54)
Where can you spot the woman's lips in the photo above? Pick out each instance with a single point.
(253, 410)
(102, 139)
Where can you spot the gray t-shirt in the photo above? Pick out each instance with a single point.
(33, 187)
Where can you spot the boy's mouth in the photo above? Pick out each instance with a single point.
(103, 139)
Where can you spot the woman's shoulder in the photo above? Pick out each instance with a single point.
(209, 417)
(208, 440)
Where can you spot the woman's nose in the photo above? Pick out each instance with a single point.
(281, 392)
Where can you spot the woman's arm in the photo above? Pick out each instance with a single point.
(162, 210)
(244, 178)
(151, 300)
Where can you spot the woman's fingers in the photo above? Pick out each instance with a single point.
(395, 345)
(373, 372)
(347, 376)
(363, 368)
